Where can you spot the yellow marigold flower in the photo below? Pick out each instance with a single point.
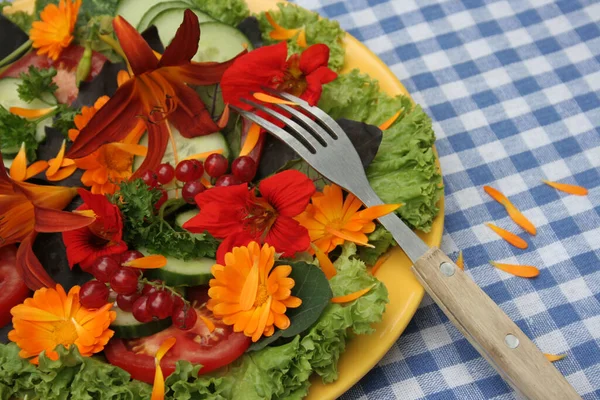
(55, 31)
(112, 163)
(330, 219)
(51, 317)
(248, 293)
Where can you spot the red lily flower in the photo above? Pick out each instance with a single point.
(236, 214)
(27, 209)
(302, 75)
(156, 92)
(102, 238)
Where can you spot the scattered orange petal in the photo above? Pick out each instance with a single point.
(251, 140)
(279, 32)
(158, 390)
(209, 324)
(380, 261)
(203, 156)
(36, 168)
(31, 113)
(224, 119)
(352, 296)
(508, 236)
(62, 173)
(58, 160)
(460, 261)
(324, 262)
(154, 261)
(355, 237)
(205, 182)
(272, 99)
(524, 271)
(18, 168)
(301, 39)
(378, 211)
(554, 357)
(565, 187)
(135, 149)
(386, 124)
(495, 194)
(520, 219)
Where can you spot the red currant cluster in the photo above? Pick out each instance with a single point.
(146, 300)
(190, 173)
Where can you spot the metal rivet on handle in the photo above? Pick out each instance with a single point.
(447, 268)
(511, 341)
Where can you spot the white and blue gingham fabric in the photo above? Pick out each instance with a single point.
(512, 87)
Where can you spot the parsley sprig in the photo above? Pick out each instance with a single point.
(15, 130)
(38, 84)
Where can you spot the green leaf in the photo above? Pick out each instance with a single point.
(382, 239)
(64, 118)
(230, 12)
(312, 287)
(38, 84)
(15, 130)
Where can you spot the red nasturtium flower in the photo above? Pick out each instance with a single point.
(238, 215)
(156, 92)
(104, 237)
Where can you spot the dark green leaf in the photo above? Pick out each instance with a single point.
(382, 239)
(312, 287)
(63, 121)
(37, 84)
(251, 29)
(15, 130)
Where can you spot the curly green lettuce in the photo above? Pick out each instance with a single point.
(318, 30)
(230, 12)
(404, 169)
(71, 376)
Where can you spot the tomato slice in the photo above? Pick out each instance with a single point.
(12, 287)
(197, 345)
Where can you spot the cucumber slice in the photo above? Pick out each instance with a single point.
(220, 42)
(187, 147)
(185, 217)
(9, 96)
(127, 327)
(157, 9)
(178, 272)
(134, 10)
(168, 21)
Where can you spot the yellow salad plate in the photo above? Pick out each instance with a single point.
(405, 292)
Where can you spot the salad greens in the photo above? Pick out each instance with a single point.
(404, 169)
(230, 12)
(15, 130)
(145, 228)
(37, 84)
(318, 30)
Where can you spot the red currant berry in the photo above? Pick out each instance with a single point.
(185, 318)
(150, 178)
(191, 189)
(130, 255)
(125, 301)
(147, 290)
(186, 171)
(124, 281)
(216, 165)
(163, 197)
(93, 294)
(228, 180)
(165, 173)
(160, 304)
(199, 168)
(244, 168)
(103, 268)
(140, 309)
(178, 302)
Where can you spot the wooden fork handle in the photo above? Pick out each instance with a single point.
(497, 338)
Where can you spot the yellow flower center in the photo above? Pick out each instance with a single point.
(115, 159)
(262, 295)
(64, 332)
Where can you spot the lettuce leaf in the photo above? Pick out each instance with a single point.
(70, 377)
(230, 12)
(318, 30)
(404, 169)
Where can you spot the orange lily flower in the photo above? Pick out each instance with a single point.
(28, 209)
(157, 91)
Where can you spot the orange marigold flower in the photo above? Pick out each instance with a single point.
(55, 31)
(248, 293)
(111, 163)
(51, 317)
(331, 219)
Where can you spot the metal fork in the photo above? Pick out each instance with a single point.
(319, 140)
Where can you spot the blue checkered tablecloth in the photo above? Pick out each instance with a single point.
(512, 87)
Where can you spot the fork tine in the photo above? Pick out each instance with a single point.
(278, 132)
(299, 131)
(311, 126)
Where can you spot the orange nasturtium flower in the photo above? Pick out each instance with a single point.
(248, 293)
(331, 219)
(157, 91)
(112, 163)
(52, 317)
(55, 31)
